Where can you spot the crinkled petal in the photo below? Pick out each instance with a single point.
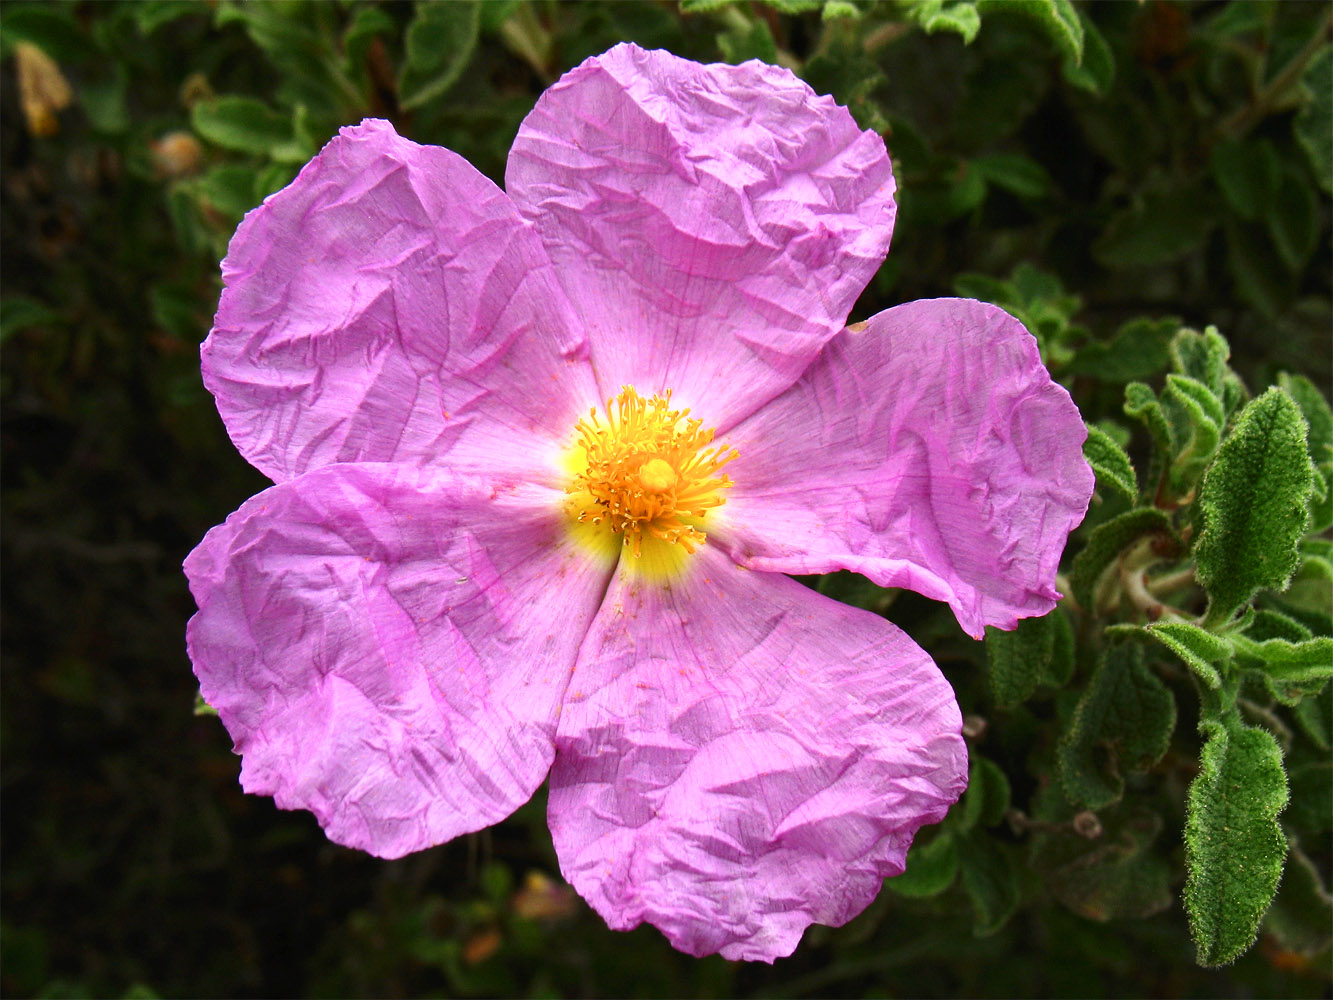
(738, 757)
(712, 224)
(388, 647)
(391, 305)
(931, 451)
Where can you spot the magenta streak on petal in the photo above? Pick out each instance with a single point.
(388, 647)
(931, 451)
(738, 757)
(712, 224)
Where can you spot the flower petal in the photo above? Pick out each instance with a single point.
(388, 647)
(713, 224)
(739, 757)
(931, 451)
(390, 305)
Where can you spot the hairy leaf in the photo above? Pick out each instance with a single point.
(1314, 122)
(1201, 651)
(438, 46)
(1234, 848)
(1110, 463)
(1319, 418)
(1301, 916)
(1016, 660)
(1123, 722)
(1098, 557)
(1254, 502)
(959, 17)
(990, 877)
(986, 799)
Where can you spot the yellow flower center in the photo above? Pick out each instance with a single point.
(646, 474)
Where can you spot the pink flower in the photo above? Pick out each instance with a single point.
(542, 457)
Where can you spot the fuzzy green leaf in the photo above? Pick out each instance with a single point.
(960, 17)
(1234, 848)
(1319, 441)
(1142, 405)
(1097, 558)
(1305, 662)
(438, 46)
(1115, 876)
(1016, 660)
(1197, 417)
(931, 868)
(1060, 667)
(1111, 464)
(1058, 19)
(1314, 122)
(1201, 651)
(1123, 722)
(1254, 502)
(1201, 356)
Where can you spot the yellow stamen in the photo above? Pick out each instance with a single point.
(646, 474)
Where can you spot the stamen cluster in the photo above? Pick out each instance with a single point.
(646, 469)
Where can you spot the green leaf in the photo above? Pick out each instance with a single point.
(840, 8)
(1057, 19)
(230, 189)
(1020, 175)
(1313, 125)
(241, 123)
(754, 41)
(1301, 917)
(1060, 667)
(1016, 660)
(22, 312)
(990, 878)
(1234, 847)
(986, 799)
(1254, 504)
(1307, 661)
(1201, 356)
(1311, 792)
(1197, 417)
(1123, 722)
(1319, 442)
(202, 707)
(1116, 876)
(1247, 172)
(931, 868)
(437, 49)
(1141, 404)
(1111, 464)
(1097, 70)
(1138, 350)
(1201, 651)
(959, 17)
(1167, 226)
(50, 27)
(1098, 557)
(1293, 222)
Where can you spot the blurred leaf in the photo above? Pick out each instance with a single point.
(1115, 876)
(1254, 503)
(753, 41)
(1311, 792)
(439, 44)
(1313, 124)
(1020, 175)
(1111, 464)
(1163, 229)
(1138, 350)
(1293, 222)
(154, 14)
(230, 189)
(931, 868)
(22, 312)
(1315, 717)
(1248, 174)
(1123, 722)
(1301, 916)
(986, 799)
(1108, 541)
(957, 16)
(202, 707)
(1096, 71)
(241, 123)
(1234, 848)
(1057, 19)
(50, 27)
(990, 877)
